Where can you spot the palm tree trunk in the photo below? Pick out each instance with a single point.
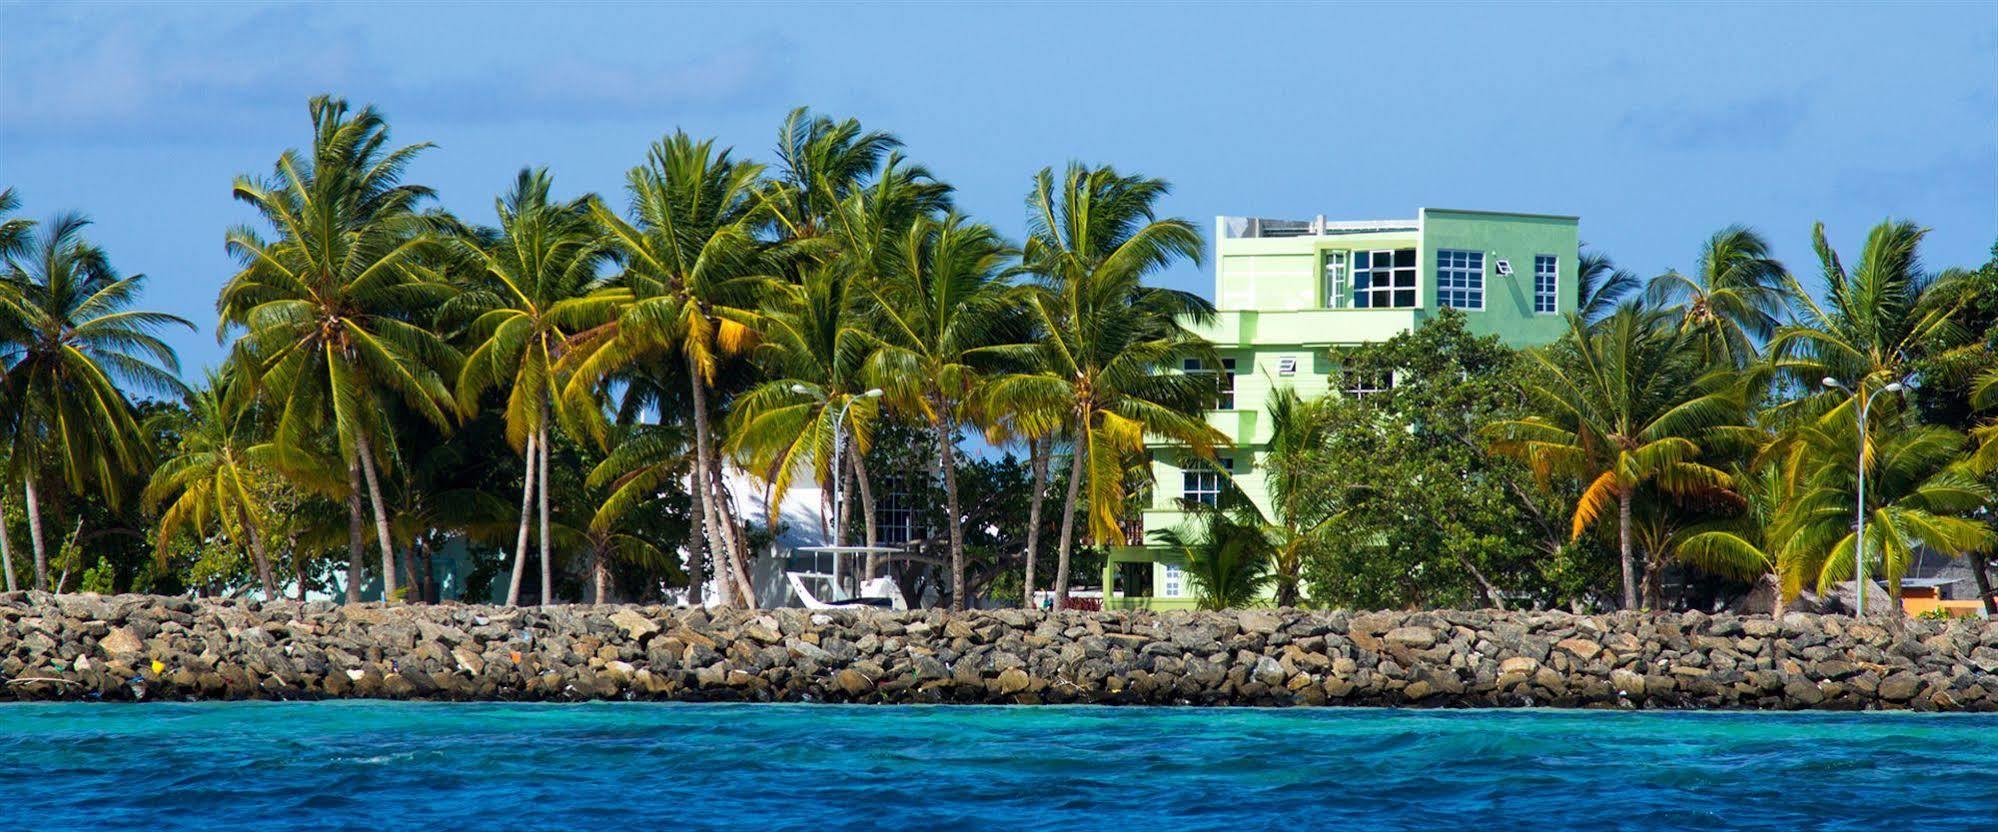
(298, 574)
(731, 525)
(6, 548)
(600, 586)
(1977, 573)
(413, 593)
(947, 457)
(35, 533)
(526, 522)
(356, 537)
(1037, 459)
(1068, 529)
(1623, 547)
(258, 553)
(703, 488)
(381, 517)
(869, 526)
(697, 555)
(547, 557)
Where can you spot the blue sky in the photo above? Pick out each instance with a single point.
(1656, 124)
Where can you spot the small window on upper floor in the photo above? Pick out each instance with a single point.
(1460, 279)
(1201, 483)
(1384, 279)
(1224, 380)
(1546, 283)
(1337, 282)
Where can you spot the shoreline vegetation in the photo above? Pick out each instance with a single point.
(150, 648)
(629, 363)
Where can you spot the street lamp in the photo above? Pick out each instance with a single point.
(839, 444)
(1859, 504)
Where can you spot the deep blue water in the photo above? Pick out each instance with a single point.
(488, 767)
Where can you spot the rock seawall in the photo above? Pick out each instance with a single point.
(140, 647)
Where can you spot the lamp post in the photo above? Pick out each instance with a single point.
(1859, 504)
(839, 444)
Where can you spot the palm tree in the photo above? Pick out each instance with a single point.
(1734, 301)
(1619, 406)
(1600, 286)
(693, 265)
(76, 345)
(544, 256)
(14, 243)
(1301, 511)
(1877, 320)
(949, 312)
(1228, 558)
(1091, 240)
(1917, 493)
(209, 484)
(643, 460)
(813, 345)
(334, 307)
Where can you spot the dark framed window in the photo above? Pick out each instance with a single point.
(1384, 279)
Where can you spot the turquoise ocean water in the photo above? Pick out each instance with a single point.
(372, 765)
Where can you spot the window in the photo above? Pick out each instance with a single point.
(1460, 279)
(1225, 380)
(1200, 483)
(895, 516)
(1384, 279)
(1287, 365)
(1335, 280)
(1546, 283)
(1360, 383)
(1175, 581)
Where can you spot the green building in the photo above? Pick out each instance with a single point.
(1290, 291)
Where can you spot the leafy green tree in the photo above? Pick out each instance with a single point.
(1734, 300)
(1092, 238)
(542, 258)
(1617, 407)
(334, 307)
(693, 266)
(73, 345)
(1422, 513)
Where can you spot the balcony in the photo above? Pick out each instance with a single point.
(1308, 327)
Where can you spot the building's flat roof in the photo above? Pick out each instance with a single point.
(1499, 213)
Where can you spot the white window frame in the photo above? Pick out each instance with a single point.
(1287, 365)
(1460, 272)
(1227, 398)
(1552, 294)
(1373, 290)
(1353, 383)
(1173, 583)
(1335, 267)
(1194, 478)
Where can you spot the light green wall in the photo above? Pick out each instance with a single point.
(1271, 298)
